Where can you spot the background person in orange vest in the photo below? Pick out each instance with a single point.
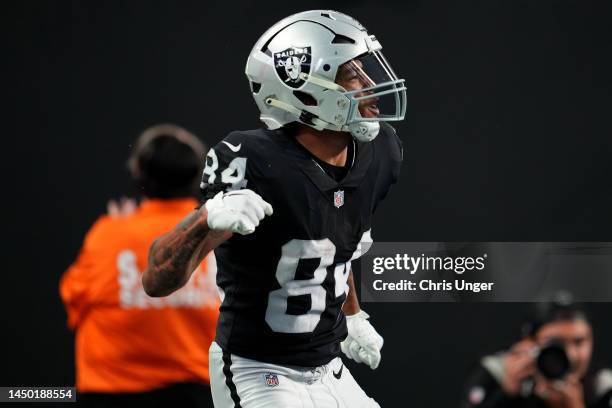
(131, 349)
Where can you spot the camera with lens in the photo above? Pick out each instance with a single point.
(552, 360)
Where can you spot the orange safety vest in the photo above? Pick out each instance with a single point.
(125, 340)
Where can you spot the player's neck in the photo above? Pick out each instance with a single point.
(327, 145)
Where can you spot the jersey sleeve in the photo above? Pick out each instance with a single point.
(226, 166)
(390, 154)
(396, 150)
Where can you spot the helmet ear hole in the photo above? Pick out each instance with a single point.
(255, 87)
(305, 98)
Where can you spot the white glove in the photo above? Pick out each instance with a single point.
(363, 343)
(237, 211)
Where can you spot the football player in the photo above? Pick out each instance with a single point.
(287, 209)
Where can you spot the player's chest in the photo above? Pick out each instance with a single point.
(306, 210)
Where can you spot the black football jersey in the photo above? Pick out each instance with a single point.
(283, 286)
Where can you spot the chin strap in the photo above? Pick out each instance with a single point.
(361, 131)
(304, 116)
(364, 131)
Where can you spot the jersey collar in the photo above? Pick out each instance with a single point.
(318, 177)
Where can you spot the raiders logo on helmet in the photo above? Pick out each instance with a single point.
(290, 63)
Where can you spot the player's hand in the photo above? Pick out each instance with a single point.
(237, 211)
(363, 343)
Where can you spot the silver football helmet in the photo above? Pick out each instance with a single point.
(293, 69)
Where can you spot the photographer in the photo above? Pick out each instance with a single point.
(550, 367)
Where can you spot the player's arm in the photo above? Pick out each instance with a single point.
(173, 257)
(351, 305)
(230, 208)
(363, 343)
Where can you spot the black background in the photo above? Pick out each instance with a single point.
(507, 137)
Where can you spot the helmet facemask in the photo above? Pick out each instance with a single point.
(374, 92)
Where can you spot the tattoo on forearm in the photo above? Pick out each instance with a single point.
(171, 256)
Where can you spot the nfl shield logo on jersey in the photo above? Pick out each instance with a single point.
(339, 198)
(271, 380)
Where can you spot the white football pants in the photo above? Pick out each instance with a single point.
(238, 382)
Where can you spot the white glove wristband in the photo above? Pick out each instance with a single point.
(359, 315)
(363, 343)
